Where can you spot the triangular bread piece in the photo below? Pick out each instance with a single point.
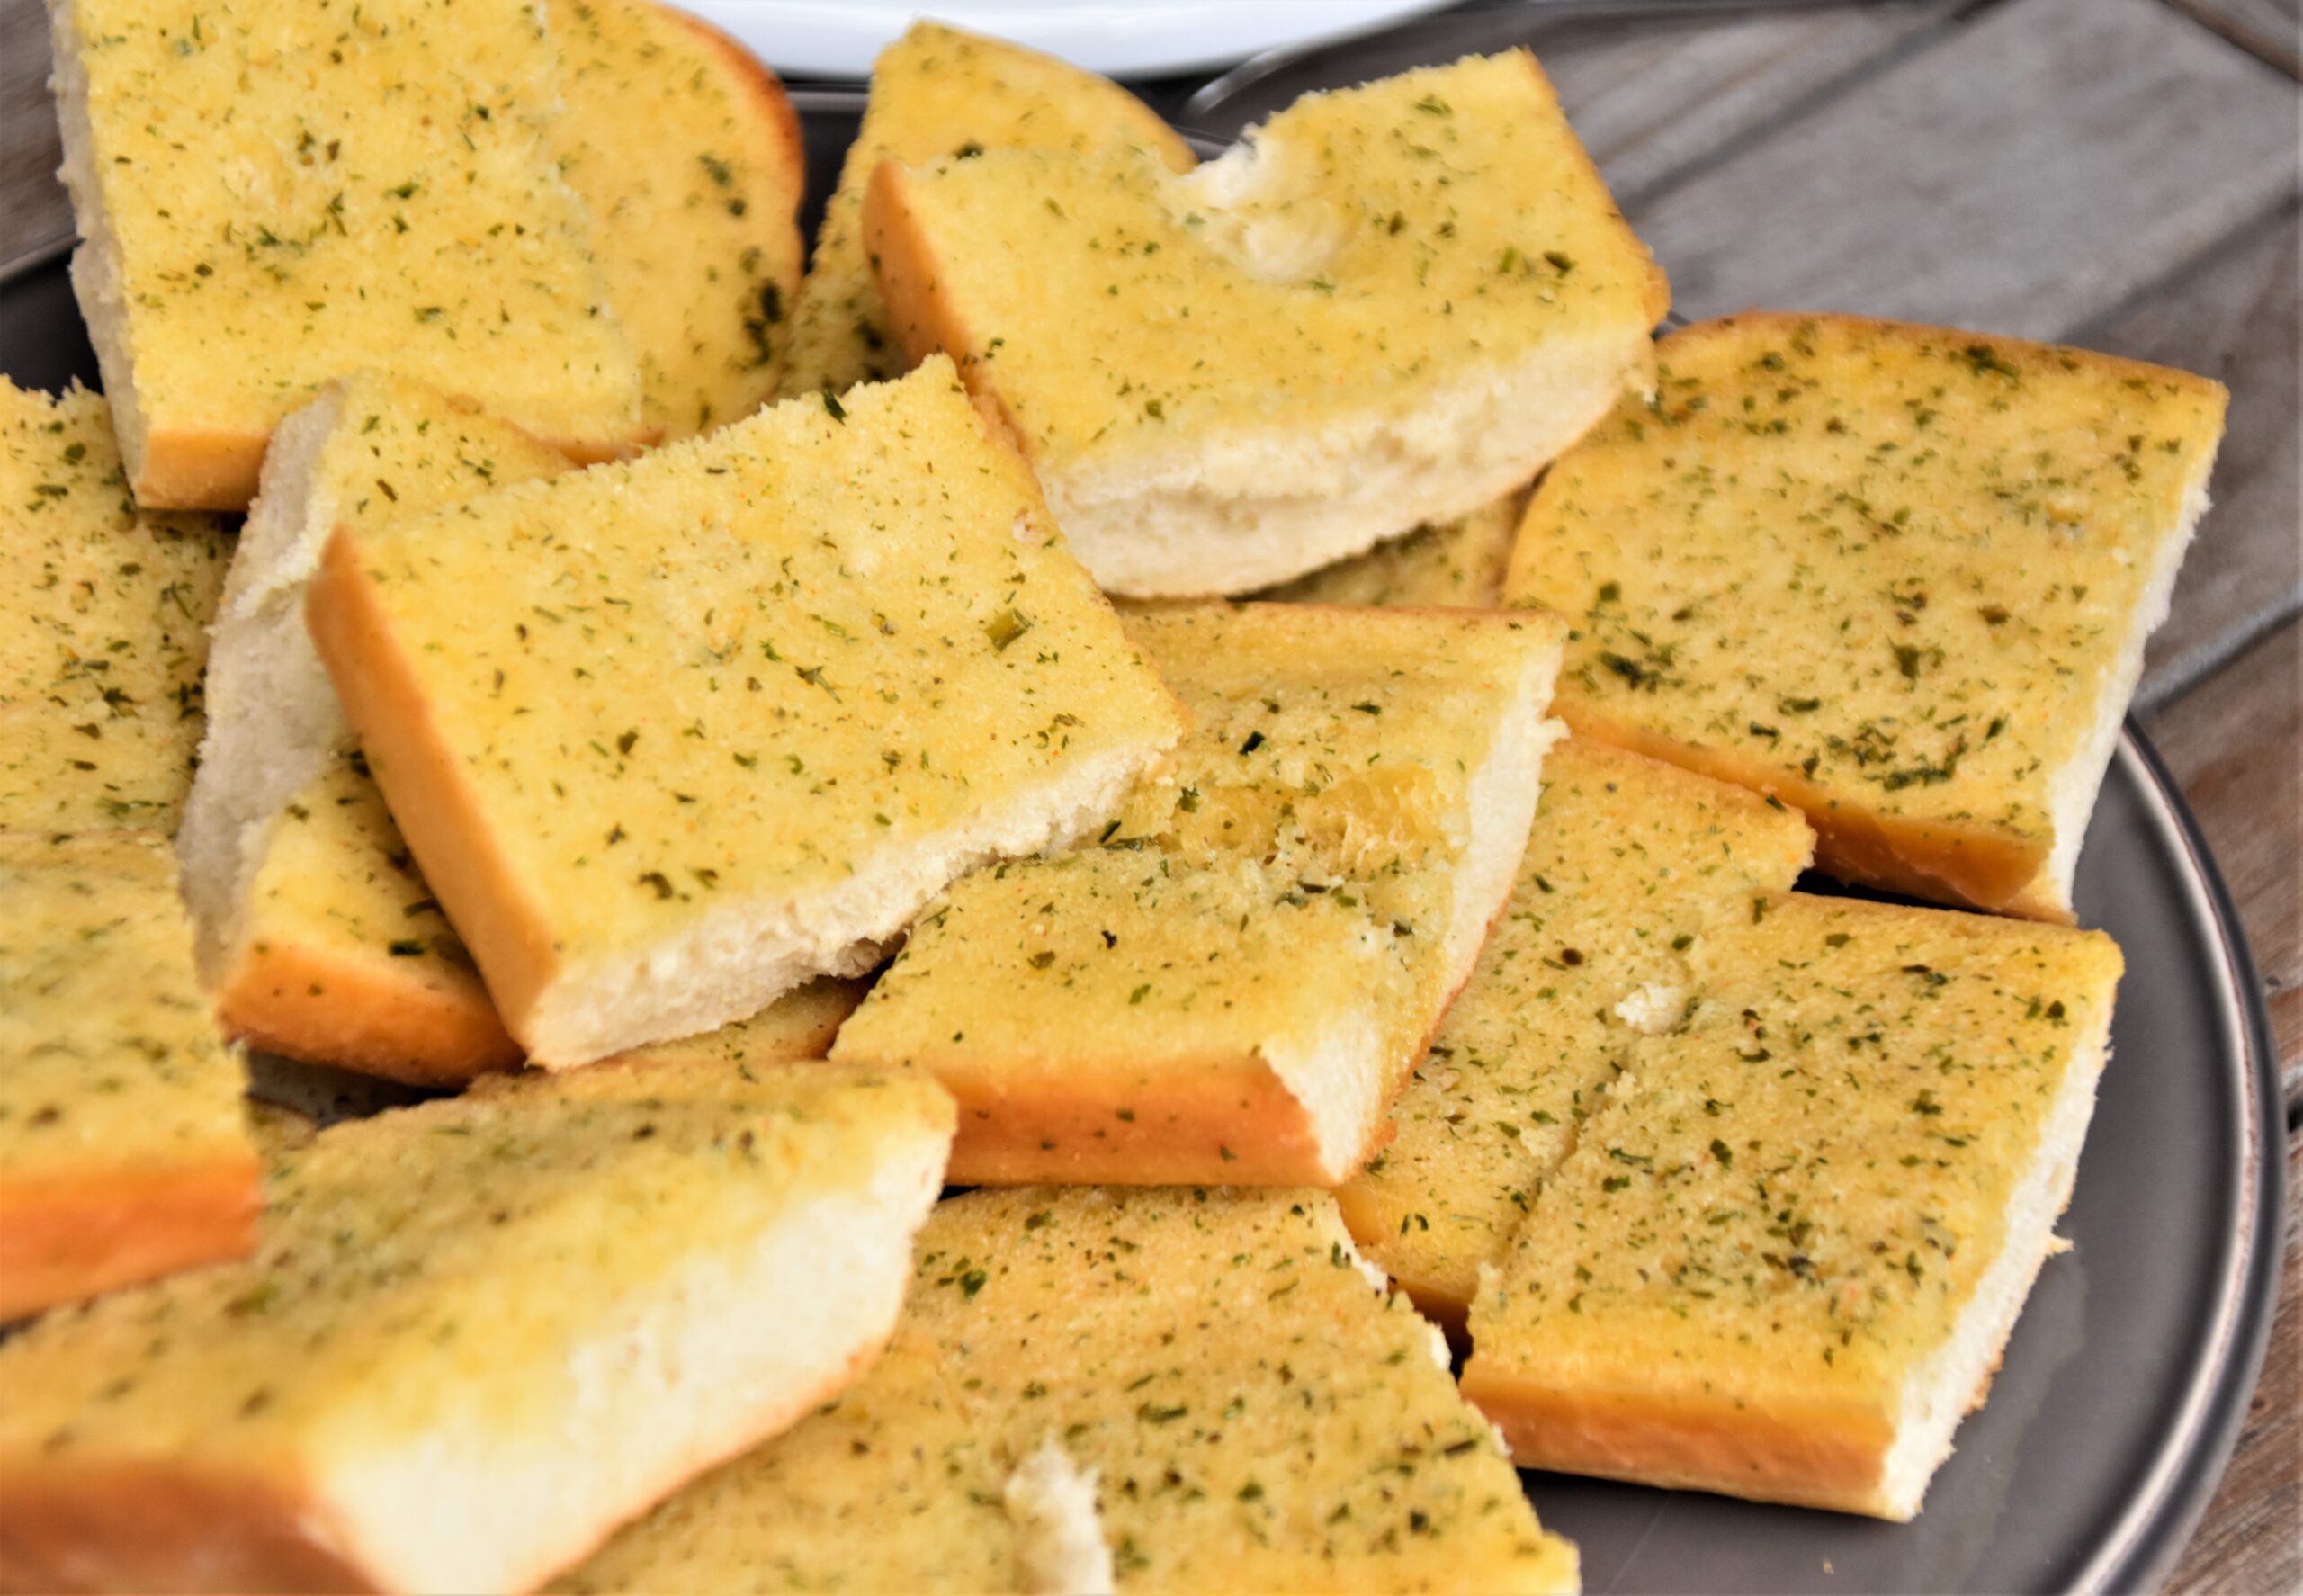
(940, 90)
(124, 1152)
(1899, 577)
(688, 154)
(480, 1334)
(106, 632)
(269, 200)
(1388, 305)
(1630, 863)
(1789, 1247)
(1229, 981)
(1075, 1391)
(672, 737)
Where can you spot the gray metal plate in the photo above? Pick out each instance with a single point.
(2127, 1379)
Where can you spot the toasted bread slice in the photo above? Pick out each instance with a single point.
(318, 936)
(939, 91)
(1899, 577)
(688, 154)
(1326, 1450)
(670, 738)
(480, 1334)
(124, 1151)
(1629, 864)
(269, 197)
(1787, 1249)
(1458, 564)
(1389, 305)
(1229, 982)
(107, 614)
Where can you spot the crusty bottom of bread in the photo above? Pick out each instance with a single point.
(329, 1007)
(1849, 1458)
(66, 1240)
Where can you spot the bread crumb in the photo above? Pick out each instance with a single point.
(1060, 1541)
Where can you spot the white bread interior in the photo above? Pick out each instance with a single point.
(1953, 1379)
(681, 1380)
(1060, 1548)
(1236, 513)
(741, 956)
(2073, 787)
(272, 715)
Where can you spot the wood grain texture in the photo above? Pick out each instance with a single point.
(34, 214)
(2237, 317)
(2251, 1536)
(2271, 29)
(2024, 172)
(2235, 744)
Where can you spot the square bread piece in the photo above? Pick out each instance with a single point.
(1788, 1247)
(1387, 305)
(317, 935)
(1456, 563)
(938, 91)
(1629, 864)
(1069, 1404)
(479, 1335)
(124, 1152)
(686, 153)
(106, 627)
(270, 195)
(670, 737)
(1229, 981)
(1897, 576)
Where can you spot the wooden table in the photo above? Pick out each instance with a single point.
(2118, 173)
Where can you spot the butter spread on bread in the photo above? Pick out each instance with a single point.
(670, 737)
(269, 196)
(124, 1151)
(478, 1335)
(1229, 981)
(1458, 562)
(1629, 864)
(1788, 1246)
(688, 155)
(939, 91)
(101, 660)
(1388, 305)
(1253, 1416)
(1900, 576)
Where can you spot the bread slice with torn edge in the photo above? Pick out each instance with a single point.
(1900, 576)
(124, 1151)
(1041, 1402)
(1388, 306)
(271, 196)
(686, 153)
(1456, 563)
(671, 737)
(939, 91)
(1630, 865)
(1789, 1247)
(318, 936)
(106, 632)
(479, 1334)
(1231, 979)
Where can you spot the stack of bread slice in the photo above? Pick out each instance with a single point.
(572, 706)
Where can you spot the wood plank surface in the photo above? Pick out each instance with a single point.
(2237, 317)
(34, 214)
(2024, 172)
(2271, 29)
(2235, 744)
(2250, 1538)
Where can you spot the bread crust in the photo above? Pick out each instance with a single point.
(327, 1008)
(66, 1239)
(1218, 1121)
(493, 910)
(777, 119)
